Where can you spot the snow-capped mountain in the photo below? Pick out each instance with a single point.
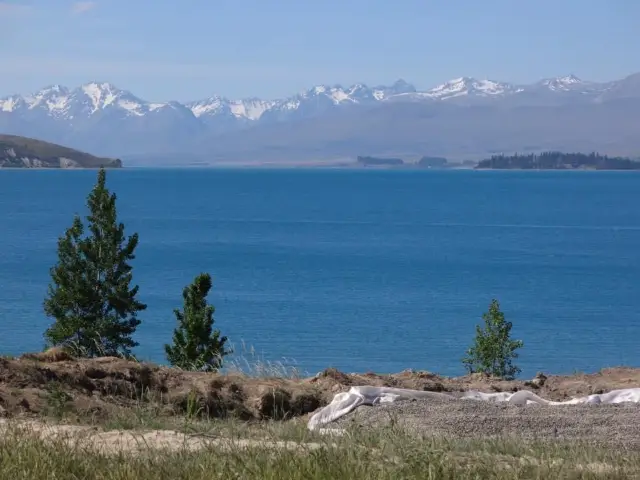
(466, 86)
(94, 114)
(313, 100)
(566, 83)
(59, 102)
(93, 98)
(250, 108)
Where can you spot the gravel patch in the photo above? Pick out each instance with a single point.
(617, 425)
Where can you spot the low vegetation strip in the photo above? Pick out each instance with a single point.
(35, 453)
(558, 161)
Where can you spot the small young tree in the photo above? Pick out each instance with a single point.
(493, 350)
(196, 346)
(90, 298)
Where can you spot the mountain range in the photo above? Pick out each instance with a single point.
(460, 119)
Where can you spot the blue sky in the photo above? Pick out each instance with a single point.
(170, 50)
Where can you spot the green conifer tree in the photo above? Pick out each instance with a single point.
(90, 298)
(196, 346)
(493, 350)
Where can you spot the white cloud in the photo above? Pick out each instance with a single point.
(7, 8)
(82, 7)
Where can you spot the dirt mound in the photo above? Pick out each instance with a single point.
(32, 385)
(36, 383)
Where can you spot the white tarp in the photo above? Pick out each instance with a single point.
(345, 402)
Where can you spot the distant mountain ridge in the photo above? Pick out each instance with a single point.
(90, 98)
(101, 117)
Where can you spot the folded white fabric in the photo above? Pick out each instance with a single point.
(345, 402)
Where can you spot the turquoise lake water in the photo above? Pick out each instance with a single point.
(360, 270)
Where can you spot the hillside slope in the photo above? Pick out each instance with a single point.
(23, 152)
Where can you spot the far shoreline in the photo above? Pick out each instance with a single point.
(313, 165)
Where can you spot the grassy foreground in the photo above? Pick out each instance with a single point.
(109, 416)
(381, 454)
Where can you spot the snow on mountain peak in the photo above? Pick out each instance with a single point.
(567, 82)
(356, 93)
(399, 87)
(467, 86)
(570, 79)
(9, 104)
(88, 99)
(249, 108)
(103, 95)
(336, 94)
(209, 106)
(96, 98)
(54, 98)
(100, 94)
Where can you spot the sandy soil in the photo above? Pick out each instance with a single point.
(128, 441)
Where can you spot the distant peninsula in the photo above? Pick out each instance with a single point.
(23, 152)
(558, 161)
(424, 162)
(377, 162)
